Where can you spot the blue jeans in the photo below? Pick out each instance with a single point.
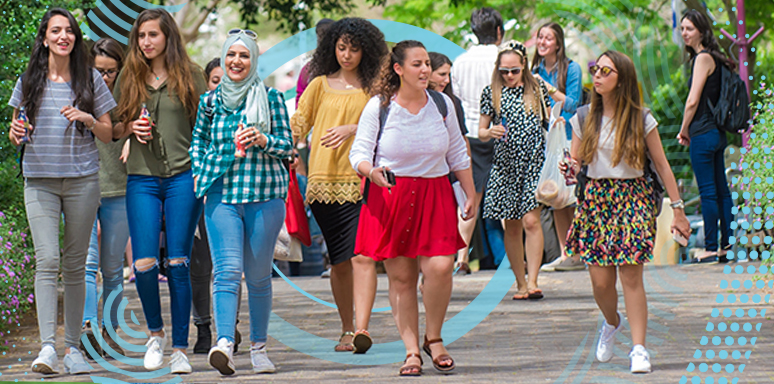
(242, 238)
(109, 257)
(147, 199)
(707, 161)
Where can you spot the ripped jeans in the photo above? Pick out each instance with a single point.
(147, 199)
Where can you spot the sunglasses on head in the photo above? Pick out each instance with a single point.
(247, 33)
(606, 71)
(513, 71)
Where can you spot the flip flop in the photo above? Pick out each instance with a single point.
(362, 341)
(535, 294)
(521, 296)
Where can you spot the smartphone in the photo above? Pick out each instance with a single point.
(680, 239)
(389, 176)
(505, 136)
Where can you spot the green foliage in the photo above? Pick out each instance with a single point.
(755, 186)
(17, 269)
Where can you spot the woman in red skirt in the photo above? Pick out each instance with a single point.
(411, 223)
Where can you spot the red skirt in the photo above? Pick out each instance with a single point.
(419, 218)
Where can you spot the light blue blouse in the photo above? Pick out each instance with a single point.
(573, 90)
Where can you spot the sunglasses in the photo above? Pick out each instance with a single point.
(110, 73)
(513, 71)
(606, 71)
(247, 33)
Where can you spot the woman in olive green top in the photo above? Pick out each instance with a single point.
(159, 74)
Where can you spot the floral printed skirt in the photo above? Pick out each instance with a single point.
(615, 224)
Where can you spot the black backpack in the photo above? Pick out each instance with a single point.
(732, 112)
(440, 103)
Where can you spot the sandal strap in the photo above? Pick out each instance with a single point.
(410, 355)
(362, 332)
(434, 341)
(346, 334)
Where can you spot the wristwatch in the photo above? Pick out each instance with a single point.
(93, 123)
(679, 204)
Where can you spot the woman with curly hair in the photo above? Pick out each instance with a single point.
(344, 70)
(410, 220)
(159, 74)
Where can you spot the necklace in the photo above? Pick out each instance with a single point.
(346, 84)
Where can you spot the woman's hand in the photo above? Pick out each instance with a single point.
(558, 119)
(250, 137)
(16, 132)
(334, 137)
(74, 114)
(377, 177)
(142, 130)
(572, 168)
(496, 132)
(680, 224)
(683, 138)
(125, 152)
(470, 209)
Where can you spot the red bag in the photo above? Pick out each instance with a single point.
(296, 220)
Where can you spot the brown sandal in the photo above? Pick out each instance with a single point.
(345, 347)
(437, 359)
(411, 369)
(362, 341)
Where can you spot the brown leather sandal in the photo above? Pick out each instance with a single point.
(411, 369)
(362, 341)
(439, 358)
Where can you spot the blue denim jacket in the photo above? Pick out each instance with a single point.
(573, 87)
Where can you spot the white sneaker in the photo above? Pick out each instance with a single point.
(551, 267)
(154, 356)
(178, 363)
(221, 357)
(46, 361)
(74, 363)
(639, 359)
(606, 343)
(261, 362)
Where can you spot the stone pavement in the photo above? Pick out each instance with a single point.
(546, 341)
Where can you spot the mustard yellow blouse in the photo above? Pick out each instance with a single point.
(331, 177)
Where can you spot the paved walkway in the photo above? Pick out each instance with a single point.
(546, 341)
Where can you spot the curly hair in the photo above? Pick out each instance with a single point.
(389, 81)
(360, 33)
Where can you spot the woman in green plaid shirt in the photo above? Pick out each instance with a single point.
(244, 208)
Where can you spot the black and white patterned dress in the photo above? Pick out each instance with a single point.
(518, 161)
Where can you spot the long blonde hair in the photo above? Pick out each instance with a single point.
(627, 119)
(134, 91)
(531, 86)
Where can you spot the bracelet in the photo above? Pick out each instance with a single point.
(552, 90)
(679, 204)
(93, 123)
(370, 173)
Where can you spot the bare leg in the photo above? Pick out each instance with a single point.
(562, 220)
(534, 231)
(605, 293)
(438, 288)
(636, 301)
(341, 285)
(402, 273)
(514, 248)
(364, 288)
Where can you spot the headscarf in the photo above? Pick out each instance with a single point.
(251, 88)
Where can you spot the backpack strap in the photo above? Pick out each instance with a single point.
(440, 103)
(209, 103)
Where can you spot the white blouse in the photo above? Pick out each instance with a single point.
(411, 145)
(601, 167)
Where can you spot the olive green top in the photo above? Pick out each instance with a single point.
(166, 154)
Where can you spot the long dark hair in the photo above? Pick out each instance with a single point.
(360, 33)
(137, 68)
(35, 78)
(389, 81)
(437, 60)
(627, 118)
(703, 25)
(562, 62)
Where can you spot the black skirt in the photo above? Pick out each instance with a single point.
(338, 223)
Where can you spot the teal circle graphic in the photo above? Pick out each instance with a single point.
(455, 327)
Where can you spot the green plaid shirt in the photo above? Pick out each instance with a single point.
(260, 176)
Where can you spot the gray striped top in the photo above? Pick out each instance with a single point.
(55, 151)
